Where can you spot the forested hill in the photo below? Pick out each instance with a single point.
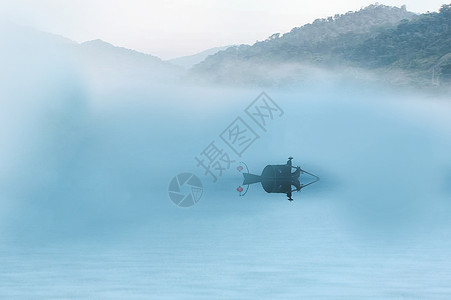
(418, 44)
(377, 37)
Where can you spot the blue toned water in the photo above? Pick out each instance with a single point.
(85, 212)
(239, 261)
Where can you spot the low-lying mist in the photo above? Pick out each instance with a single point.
(81, 160)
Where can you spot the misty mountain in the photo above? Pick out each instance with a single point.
(104, 59)
(375, 38)
(98, 61)
(419, 44)
(191, 60)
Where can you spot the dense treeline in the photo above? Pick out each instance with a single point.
(418, 44)
(376, 37)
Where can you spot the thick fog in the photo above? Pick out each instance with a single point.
(86, 164)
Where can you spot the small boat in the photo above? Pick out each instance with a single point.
(277, 179)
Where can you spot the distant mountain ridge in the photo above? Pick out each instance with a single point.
(391, 43)
(100, 62)
(191, 60)
(376, 36)
(103, 60)
(105, 47)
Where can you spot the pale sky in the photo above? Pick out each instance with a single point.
(172, 28)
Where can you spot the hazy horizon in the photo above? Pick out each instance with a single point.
(173, 29)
